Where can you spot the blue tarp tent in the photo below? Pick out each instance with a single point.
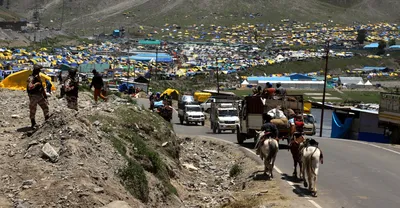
(340, 130)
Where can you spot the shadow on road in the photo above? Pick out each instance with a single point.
(248, 145)
(298, 188)
(293, 179)
(301, 191)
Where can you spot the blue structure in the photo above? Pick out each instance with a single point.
(256, 79)
(146, 57)
(301, 77)
(116, 33)
(357, 124)
(372, 46)
(395, 47)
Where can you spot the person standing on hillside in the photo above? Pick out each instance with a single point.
(98, 84)
(37, 95)
(71, 89)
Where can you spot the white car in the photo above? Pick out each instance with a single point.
(191, 114)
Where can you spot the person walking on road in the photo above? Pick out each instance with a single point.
(71, 89)
(98, 84)
(37, 95)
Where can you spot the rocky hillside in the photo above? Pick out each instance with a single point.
(96, 14)
(116, 154)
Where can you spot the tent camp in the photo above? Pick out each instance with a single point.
(18, 80)
(171, 92)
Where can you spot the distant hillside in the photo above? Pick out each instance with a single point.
(97, 14)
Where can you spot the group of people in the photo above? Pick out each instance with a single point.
(269, 91)
(69, 89)
(165, 110)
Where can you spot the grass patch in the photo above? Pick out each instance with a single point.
(336, 65)
(134, 179)
(235, 170)
(119, 146)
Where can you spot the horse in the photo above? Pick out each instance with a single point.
(295, 147)
(269, 149)
(310, 157)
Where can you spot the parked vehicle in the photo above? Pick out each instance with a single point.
(251, 115)
(224, 116)
(191, 113)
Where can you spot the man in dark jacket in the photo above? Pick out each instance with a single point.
(98, 84)
(71, 89)
(37, 95)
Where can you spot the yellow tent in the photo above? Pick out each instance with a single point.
(18, 80)
(307, 107)
(171, 92)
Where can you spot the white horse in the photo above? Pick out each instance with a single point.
(269, 149)
(310, 157)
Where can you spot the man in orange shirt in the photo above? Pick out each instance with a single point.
(98, 84)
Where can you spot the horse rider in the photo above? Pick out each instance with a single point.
(269, 91)
(280, 90)
(270, 130)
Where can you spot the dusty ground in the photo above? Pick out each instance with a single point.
(206, 182)
(93, 153)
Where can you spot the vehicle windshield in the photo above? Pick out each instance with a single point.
(308, 119)
(193, 109)
(187, 98)
(227, 113)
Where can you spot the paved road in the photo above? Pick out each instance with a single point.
(354, 174)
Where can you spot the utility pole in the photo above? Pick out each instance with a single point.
(216, 62)
(156, 61)
(323, 96)
(62, 14)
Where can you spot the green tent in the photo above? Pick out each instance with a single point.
(149, 42)
(87, 68)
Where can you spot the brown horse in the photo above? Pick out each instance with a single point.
(295, 147)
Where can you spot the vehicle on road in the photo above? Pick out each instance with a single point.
(309, 124)
(224, 116)
(191, 113)
(206, 105)
(253, 108)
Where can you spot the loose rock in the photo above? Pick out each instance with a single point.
(50, 152)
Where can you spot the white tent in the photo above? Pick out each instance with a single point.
(245, 82)
(368, 83)
(360, 83)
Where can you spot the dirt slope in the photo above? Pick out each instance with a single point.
(117, 151)
(91, 14)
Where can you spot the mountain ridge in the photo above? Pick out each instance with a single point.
(92, 14)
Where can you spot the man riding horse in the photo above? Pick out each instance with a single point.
(270, 129)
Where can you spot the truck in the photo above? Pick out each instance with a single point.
(253, 108)
(206, 105)
(190, 112)
(224, 116)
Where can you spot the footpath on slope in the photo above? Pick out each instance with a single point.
(118, 154)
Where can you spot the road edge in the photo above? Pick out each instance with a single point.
(252, 155)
